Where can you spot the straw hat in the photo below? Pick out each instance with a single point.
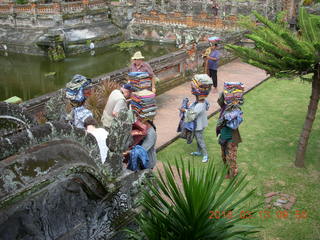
(137, 56)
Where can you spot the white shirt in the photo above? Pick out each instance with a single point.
(116, 103)
(101, 136)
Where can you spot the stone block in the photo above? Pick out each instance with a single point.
(288, 206)
(270, 194)
(292, 199)
(268, 200)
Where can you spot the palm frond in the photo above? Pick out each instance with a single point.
(178, 204)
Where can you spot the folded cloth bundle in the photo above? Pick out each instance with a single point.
(138, 74)
(75, 88)
(140, 80)
(143, 103)
(201, 85)
(233, 93)
(233, 118)
(214, 39)
(204, 79)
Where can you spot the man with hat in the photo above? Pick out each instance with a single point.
(117, 102)
(138, 65)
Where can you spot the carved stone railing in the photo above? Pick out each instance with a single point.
(180, 19)
(5, 8)
(96, 5)
(44, 9)
(52, 8)
(23, 8)
(72, 7)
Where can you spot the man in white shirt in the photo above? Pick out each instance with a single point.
(117, 102)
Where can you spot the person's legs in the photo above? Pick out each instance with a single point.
(231, 158)
(224, 153)
(214, 78)
(201, 144)
(199, 152)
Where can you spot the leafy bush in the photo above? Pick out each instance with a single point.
(99, 97)
(21, 1)
(182, 211)
(129, 45)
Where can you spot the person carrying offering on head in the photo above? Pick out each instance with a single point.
(141, 72)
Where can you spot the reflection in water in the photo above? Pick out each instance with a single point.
(24, 75)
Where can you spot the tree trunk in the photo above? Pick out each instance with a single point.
(311, 114)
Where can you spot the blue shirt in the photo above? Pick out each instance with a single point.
(80, 114)
(213, 64)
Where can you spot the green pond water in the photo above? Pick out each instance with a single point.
(25, 76)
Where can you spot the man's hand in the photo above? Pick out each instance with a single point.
(153, 89)
(126, 153)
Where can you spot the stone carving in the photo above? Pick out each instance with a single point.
(14, 118)
(178, 5)
(54, 109)
(53, 184)
(118, 140)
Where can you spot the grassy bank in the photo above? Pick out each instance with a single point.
(274, 114)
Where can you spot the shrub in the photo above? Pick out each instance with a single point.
(182, 212)
(99, 97)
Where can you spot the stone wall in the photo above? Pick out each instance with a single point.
(121, 15)
(24, 28)
(182, 29)
(59, 14)
(54, 186)
(225, 8)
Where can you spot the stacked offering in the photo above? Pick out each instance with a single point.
(201, 85)
(144, 104)
(140, 80)
(233, 93)
(233, 97)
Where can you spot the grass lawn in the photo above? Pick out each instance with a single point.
(274, 114)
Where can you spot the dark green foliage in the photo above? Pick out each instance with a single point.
(176, 211)
(278, 49)
(21, 1)
(129, 45)
(281, 51)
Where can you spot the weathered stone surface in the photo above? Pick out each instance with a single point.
(268, 200)
(72, 208)
(270, 194)
(284, 195)
(292, 199)
(118, 141)
(54, 186)
(14, 118)
(288, 206)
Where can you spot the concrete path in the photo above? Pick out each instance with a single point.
(168, 115)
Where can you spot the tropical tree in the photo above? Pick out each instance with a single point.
(278, 50)
(193, 203)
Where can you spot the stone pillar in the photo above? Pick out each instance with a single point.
(163, 6)
(137, 6)
(204, 5)
(57, 6)
(154, 4)
(189, 7)
(234, 8)
(85, 4)
(178, 5)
